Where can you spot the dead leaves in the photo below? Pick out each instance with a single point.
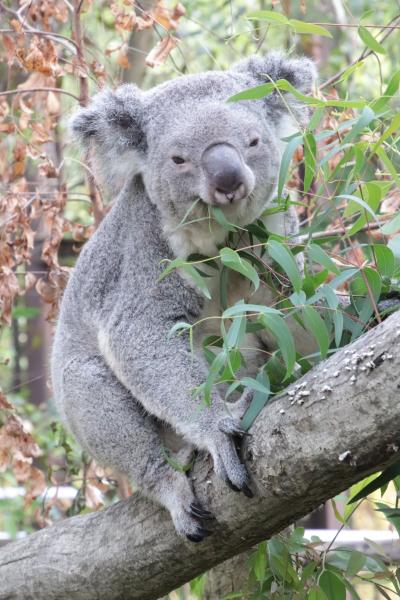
(18, 449)
(158, 55)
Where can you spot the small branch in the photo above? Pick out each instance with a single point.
(94, 194)
(363, 55)
(77, 33)
(355, 26)
(57, 37)
(39, 89)
(338, 231)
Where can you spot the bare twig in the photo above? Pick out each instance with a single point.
(39, 89)
(94, 193)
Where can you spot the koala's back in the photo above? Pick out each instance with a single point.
(115, 272)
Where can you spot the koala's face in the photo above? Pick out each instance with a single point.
(193, 148)
(211, 153)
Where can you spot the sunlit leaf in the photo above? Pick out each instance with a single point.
(316, 325)
(333, 585)
(234, 261)
(370, 41)
(286, 261)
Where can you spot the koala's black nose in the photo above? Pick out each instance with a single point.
(225, 173)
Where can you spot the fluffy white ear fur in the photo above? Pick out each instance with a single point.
(111, 132)
(300, 72)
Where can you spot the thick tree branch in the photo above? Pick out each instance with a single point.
(337, 424)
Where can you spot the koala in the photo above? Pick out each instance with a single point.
(121, 384)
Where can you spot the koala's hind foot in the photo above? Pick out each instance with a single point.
(117, 432)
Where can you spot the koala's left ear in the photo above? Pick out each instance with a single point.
(111, 131)
(300, 72)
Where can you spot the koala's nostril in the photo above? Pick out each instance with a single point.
(228, 181)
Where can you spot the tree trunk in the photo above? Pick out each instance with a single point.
(341, 423)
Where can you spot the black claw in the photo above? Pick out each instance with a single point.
(233, 487)
(234, 430)
(247, 491)
(199, 535)
(198, 511)
(193, 537)
(240, 432)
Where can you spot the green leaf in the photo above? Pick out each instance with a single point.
(302, 27)
(310, 153)
(284, 338)
(355, 564)
(344, 276)
(391, 514)
(385, 477)
(269, 16)
(255, 385)
(172, 264)
(260, 562)
(281, 563)
(285, 162)
(254, 93)
(240, 308)
(394, 126)
(360, 202)
(236, 333)
(333, 586)
(179, 327)
(232, 260)
(286, 261)
(258, 402)
(388, 164)
(385, 261)
(318, 255)
(316, 593)
(219, 216)
(379, 104)
(367, 115)
(265, 89)
(214, 370)
(198, 279)
(392, 226)
(370, 41)
(316, 325)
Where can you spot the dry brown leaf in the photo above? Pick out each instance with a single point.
(36, 486)
(122, 57)
(9, 45)
(53, 103)
(158, 55)
(14, 437)
(168, 19)
(4, 403)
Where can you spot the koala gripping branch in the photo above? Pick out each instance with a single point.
(341, 423)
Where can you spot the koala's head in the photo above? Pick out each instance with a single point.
(190, 146)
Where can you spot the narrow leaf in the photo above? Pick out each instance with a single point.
(286, 261)
(370, 41)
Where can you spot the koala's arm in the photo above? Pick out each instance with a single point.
(161, 371)
(162, 374)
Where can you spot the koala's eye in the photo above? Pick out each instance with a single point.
(178, 160)
(254, 142)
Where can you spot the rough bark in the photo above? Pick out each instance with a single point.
(300, 455)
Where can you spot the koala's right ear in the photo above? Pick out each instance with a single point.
(111, 131)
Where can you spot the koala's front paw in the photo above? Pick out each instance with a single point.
(227, 463)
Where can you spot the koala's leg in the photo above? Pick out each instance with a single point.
(117, 432)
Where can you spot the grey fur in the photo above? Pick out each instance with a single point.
(120, 384)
